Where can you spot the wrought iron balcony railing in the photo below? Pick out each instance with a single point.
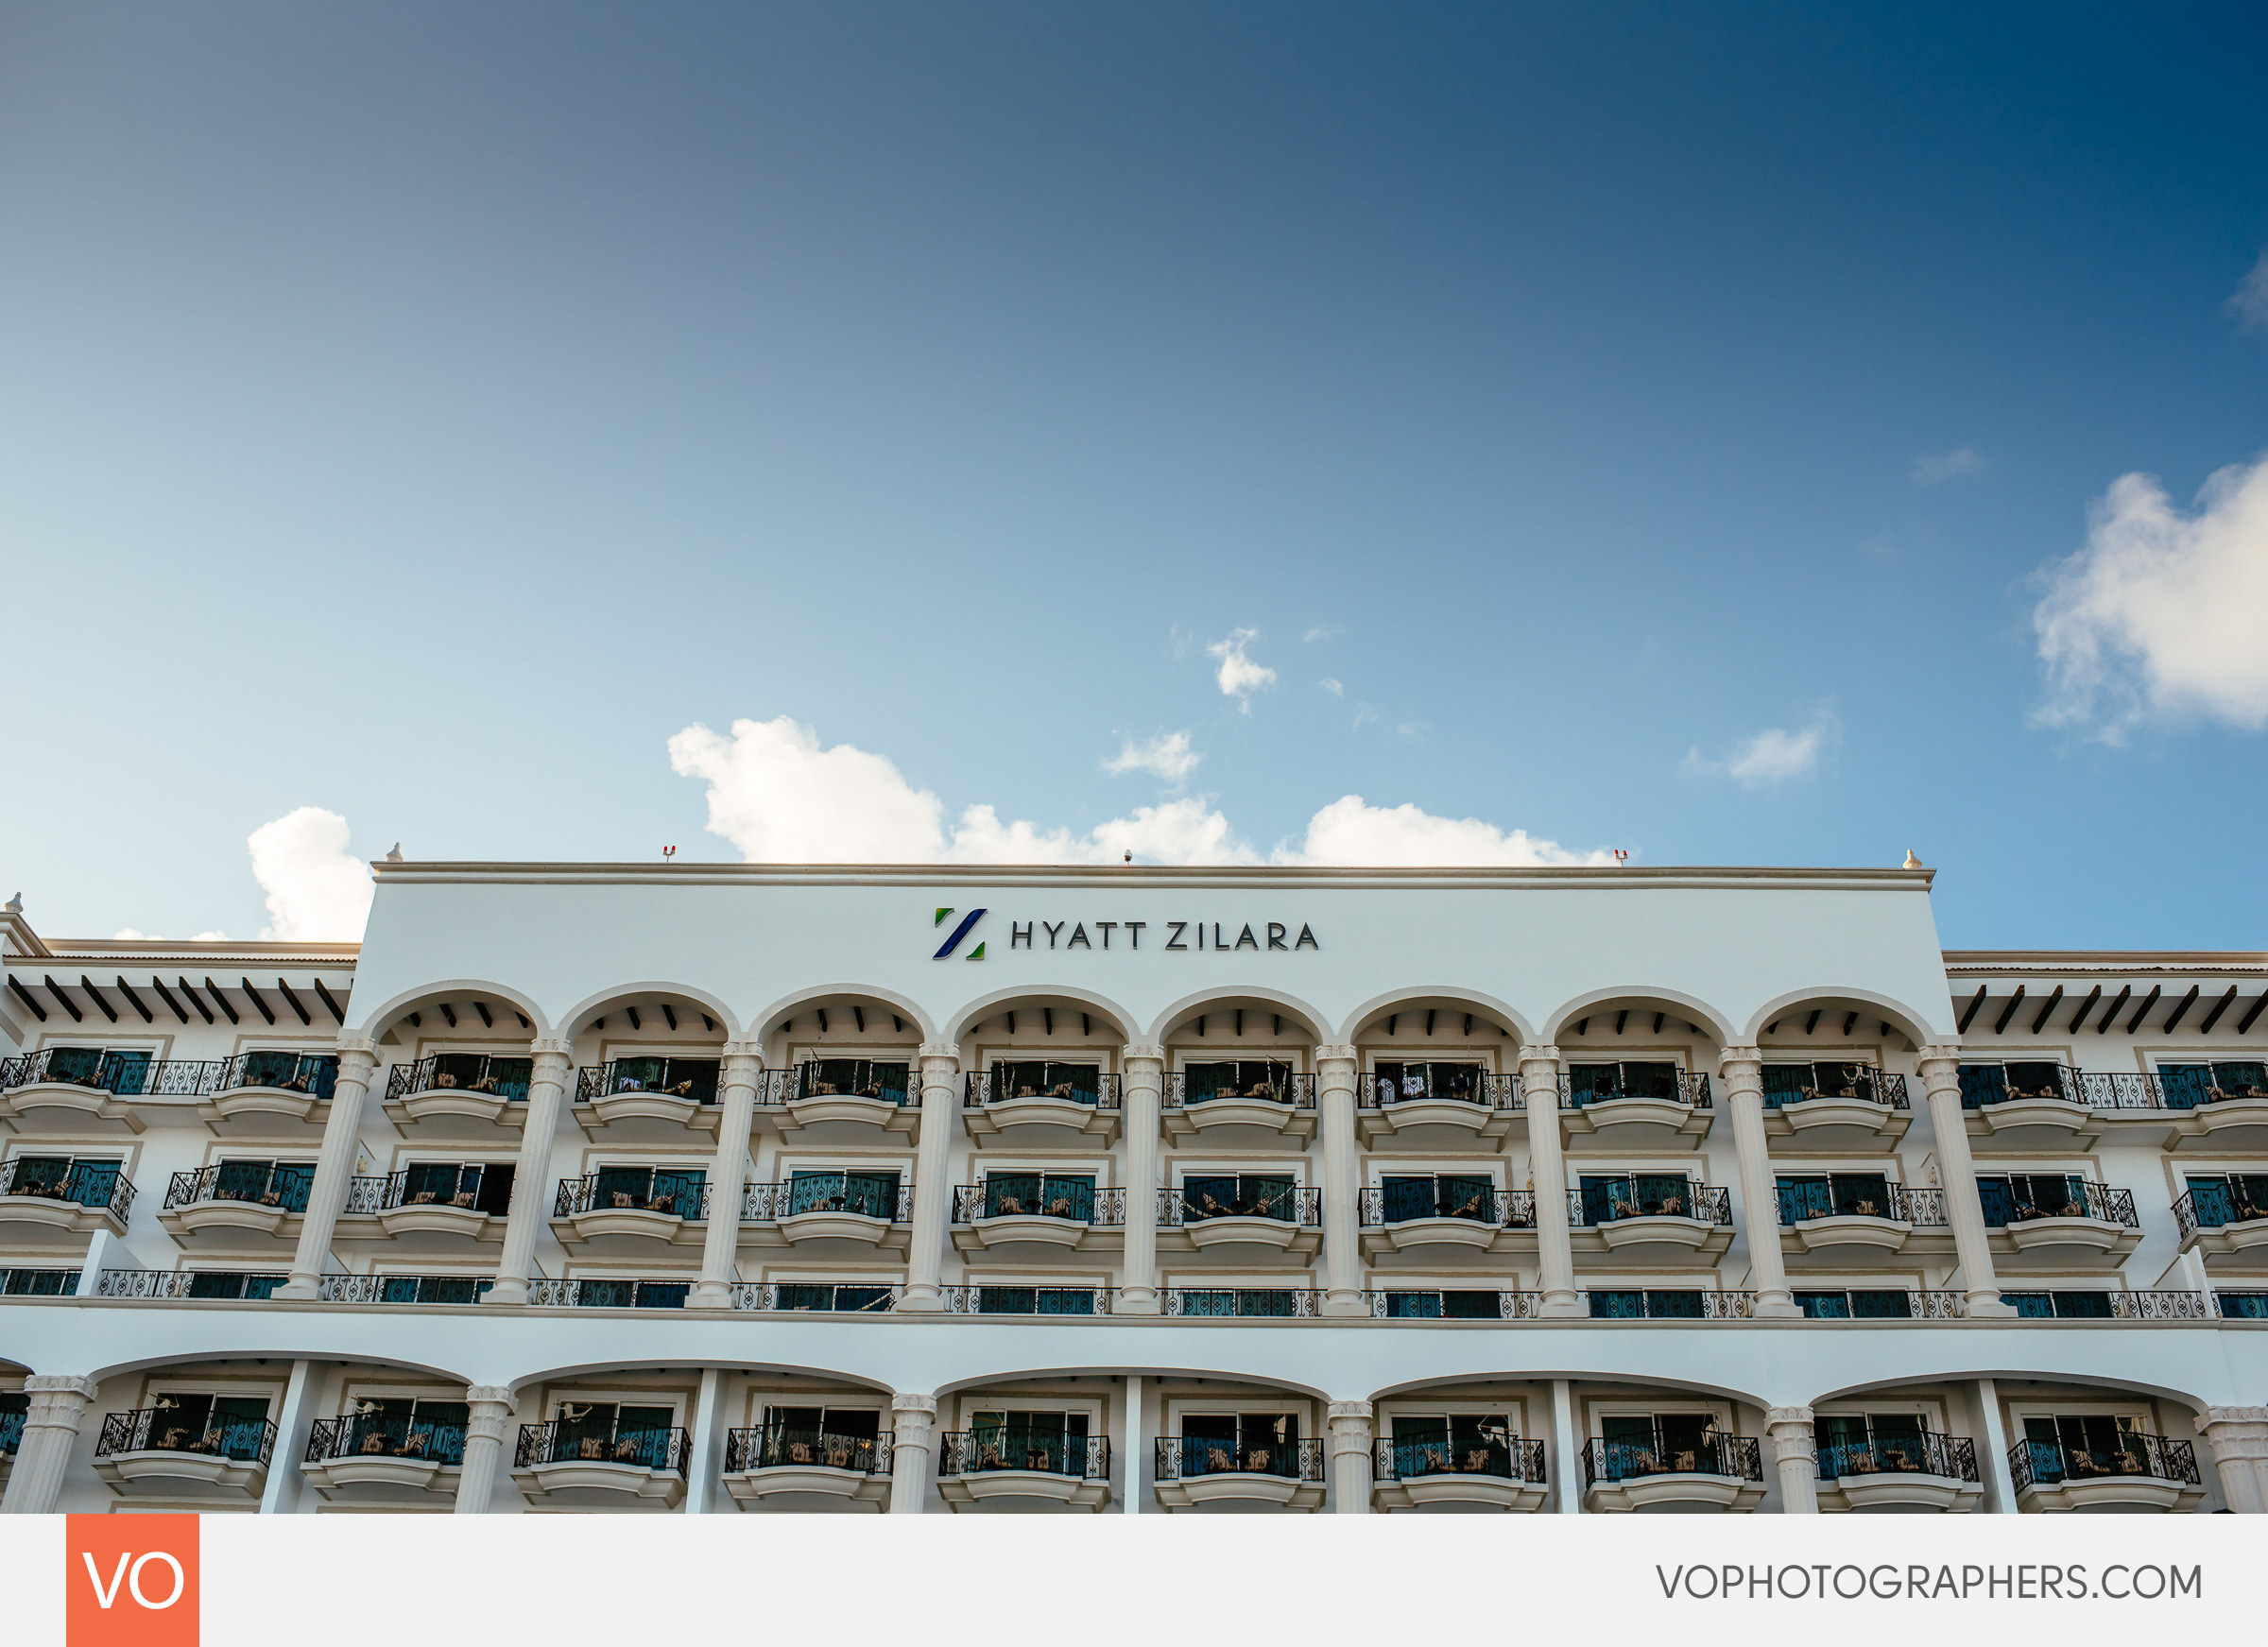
(37, 1283)
(2055, 1197)
(1579, 1091)
(221, 1284)
(1270, 1198)
(596, 1293)
(1042, 1451)
(681, 1194)
(2241, 1306)
(2107, 1304)
(1669, 1304)
(1095, 1090)
(1900, 1204)
(1509, 1459)
(278, 1184)
(2051, 1464)
(12, 1434)
(1408, 1199)
(2241, 1198)
(1484, 1089)
(138, 1075)
(341, 1289)
(995, 1300)
(565, 1441)
(100, 1185)
(776, 1447)
(427, 1185)
(1454, 1304)
(1184, 1458)
(695, 1079)
(1645, 1195)
(1880, 1304)
(1294, 1091)
(1262, 1303)
(1985, 1085)
(498, 1078)
(1035, 1195)
(1860, 1082)
(386, 1436)
(1926, 1452)
(817, 1298)
(163, 1429)
(865, 1194)
(1739, 1457)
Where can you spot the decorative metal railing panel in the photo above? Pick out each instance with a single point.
(338, 1289)
(138, 1075)
(1668, 1304)
(1925, 1453)
(102, 1186)
(160, 1430)
(278, 1184)
(1802, 1203)
(2241, 1306)
(817, 1298)
(1040, 1451)
(1037, 1195)
(565, 1441)
(1858, 1082)
(500, 1077)
(1506, 1458)
(436, 1185)
(2153, 1457)
(980, 1088)
(1479, 1202)
(1272, 1199)
(693, 1079)
(1645, 1195)
(386, 1435)
(1449, 1304)
(1688, 1086)
(2241, 1198)
(1261, 1303)
(680, 1194)
(607, 1292)
(1294, 1091)
(37, 1283)
(12, 1434)
(1880, 1304)
(776, 1447)
(1185, 1457)
(878, 1195)
(1739, 1457)
(999, 1300)
(1488, 1090)
(2106, 1304)
(219, 1285)
(2063, 1196)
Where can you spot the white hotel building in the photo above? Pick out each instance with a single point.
(751, 1189)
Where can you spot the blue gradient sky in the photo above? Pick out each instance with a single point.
(425, 411)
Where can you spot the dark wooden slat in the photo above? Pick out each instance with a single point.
(1619, 1018)
(220, 1000)
(1851, 1022)
(1429, 1021)
(25, 996)
(449, 1013)
(2046, 1011)
(330, 1005)
(167, 996)
(487, 1019)
(1999, 1024)
(69, 1005)
(2181, 1008)
(2110, 1012)
(2219, 1007)
(298, 1006)
(258, 1000)
(1810, 1025)
(195, 998)
(2143, 1010)
(128, 991)
(97, 996)
(2245, 1027)
(670, 1013)
(1974, 1008)
(2079, 1017)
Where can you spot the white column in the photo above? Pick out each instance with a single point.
(1138, 1447)
(1742, 1069)
(1342, 1180)
(932, 1171)
(1352, 1433)
(531, 1177)
(728, 1175)
(51, 1419)
(1796, 1453)
(334, 1166)
(1567, 1453)
(1992, 1450)
(1547, 1167)
(705, 1444)
(914, 1418)
(1141, 1085)
(280, 1496)
(486, 1425)
(1941, 1080)
(2238, 1437)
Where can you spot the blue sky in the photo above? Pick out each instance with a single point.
(426, 413)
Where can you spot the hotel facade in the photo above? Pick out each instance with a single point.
(755, 1189)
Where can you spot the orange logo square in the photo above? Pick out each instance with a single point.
(130, 1581)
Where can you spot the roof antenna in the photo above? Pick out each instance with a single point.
(1620, 857)
(667, 854)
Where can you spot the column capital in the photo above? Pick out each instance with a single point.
(551, 1047)
(1147, 1051)
(1352, 1411)
(1778, 1418)
(1939, 1053)
(500, 1394)
(751, 1047)
(1337, 1054)
(1541, 1053)
(358, 1046)
(937, 1049)
(59, 1384)
(2218, 1415)
(1728, 1057)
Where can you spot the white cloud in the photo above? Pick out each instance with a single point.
(1168, 755)
(1324, 632)
(1364, 715)
(2249, 302)
(1351, 831)
(1775, 755)
(2161, 615)
(1936, 467)
(1240, 678)
(1330, 684)
(127, 934)
(317, 890)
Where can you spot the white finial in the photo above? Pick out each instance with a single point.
(16, 904)
(394, 856)
(1912, 862)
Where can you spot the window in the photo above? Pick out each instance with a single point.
(1611, 1304)
(1865, 1443)
(1834, 1195)
(832, 1297)
(2002, 1083)
(1240, 1444)
(828, 1437)
(694, 1078)
(1039, 1195)
(1035, 1301)
(1269, 1080)
(2077, 1304)
(89, 1183)
(1262, 1301)
(2238, 1199)
(2021, 1198)
(1046, 1078)
(1855, 1304)
(677, 1190)
(1657, 1444)
(1639, 1195)
(869, 1195)
(433, 1289)
(282, 1184)
(2190, 1085)
(606, 1432)
(400, 1427)
(476, 1187)
(2078, 1445)
(595, 1293)
(232, 1427)
(1451, 1443)
(231, 1284)
(1464, 1195)
(475, 1072)
(1408, 1083)
(1805, 1083)
(290, 1072)
(1446, 1305)
(1052, 1442)
(856, 1077)
(37, 1283)
(1603, 1082)
(1244, 1195)
(107, 1069)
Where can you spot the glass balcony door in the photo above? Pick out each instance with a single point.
(1269, 1080)
(1244, 1195)
(1052, 1442)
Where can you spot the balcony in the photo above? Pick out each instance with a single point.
(49, 1200)
(342, 1289)
(2057, 1218)
(1407, 1214)
(626, 1210)
(2221, 1106)
(1251, 1211)
(1045, 1102)
(571, 1463)
(1834, 1214)
(1836, 1107)
(1497, 1473)
(1011, 1209)
(873, 1211)
(460, 1093)
(775, 1462)
(1643, 1105)
(2226, 1220)
(383, 1456)
(820, 1297)
(1707, 1473)
(657, 1100)
(2028, 1104)
(188, 1444)
(2107, 1304)
(238, 1204)
(2133, 1472)
(1244, 1303)
(1196, 1470)
(1262, 1098)
(1454, 1304)
(1668, 1304)
(222, 1286)
(979, 1467)
(1649, 1216)
(843, 1100)
(1880, 1304)
(1429, 1104)
(39, 1283)
(1923, 1471)
(607, 1292)
(1052, 1301)
(432, 1206)
(84, 1089)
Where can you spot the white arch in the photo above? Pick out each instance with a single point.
(1698, 1010)
(1318, 1022)
(572, 1022)
(1501, 1010)
(408, 1000)
(787, 1006)
(1908, 1023)
(984, 1006)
